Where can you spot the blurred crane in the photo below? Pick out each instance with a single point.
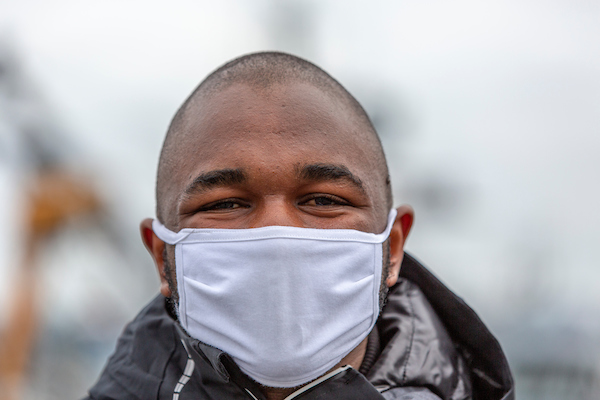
(54, 197)
(56, 192)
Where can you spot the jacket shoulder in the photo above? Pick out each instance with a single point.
(136, 368)
(490, 373)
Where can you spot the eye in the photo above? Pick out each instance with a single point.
(223, 205)
(322, 200)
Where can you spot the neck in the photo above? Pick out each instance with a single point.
(354, 359)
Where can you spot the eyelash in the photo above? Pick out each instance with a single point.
(335, 199)
(215, 205)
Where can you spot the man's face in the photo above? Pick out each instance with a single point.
(292, 156)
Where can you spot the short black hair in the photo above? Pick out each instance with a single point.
(262, 70)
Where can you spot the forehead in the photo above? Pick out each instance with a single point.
(292, 115)
(275, 128)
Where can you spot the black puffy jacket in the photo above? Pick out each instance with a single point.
(428, 344)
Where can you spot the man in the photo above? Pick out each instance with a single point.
(281, 259)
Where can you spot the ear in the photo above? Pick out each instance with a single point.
(156, 248)
(398, 235)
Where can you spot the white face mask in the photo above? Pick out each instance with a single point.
(286, 303)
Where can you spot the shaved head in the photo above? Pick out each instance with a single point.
(267, 75)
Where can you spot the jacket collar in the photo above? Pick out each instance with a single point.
(202, 351)
(222, 363)
(488, 366)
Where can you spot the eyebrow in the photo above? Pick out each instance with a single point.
(330, 172)
(211, 179)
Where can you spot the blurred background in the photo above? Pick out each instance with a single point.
(490, 117)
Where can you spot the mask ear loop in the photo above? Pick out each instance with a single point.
(378, 260)
(167, 235)
(173, 238)
(382, 237)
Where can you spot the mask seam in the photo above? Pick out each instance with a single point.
(181, 285)
(378, 254)
(329, 239)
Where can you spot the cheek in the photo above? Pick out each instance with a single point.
(377, 191)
